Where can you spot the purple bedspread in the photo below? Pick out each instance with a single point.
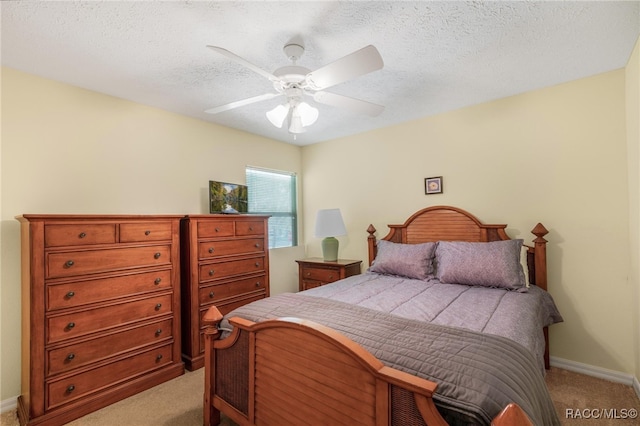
(483, 347)
(517, 316)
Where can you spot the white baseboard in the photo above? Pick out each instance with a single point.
(599, 372)
(9, 404)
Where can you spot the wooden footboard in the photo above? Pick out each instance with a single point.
(306, 373)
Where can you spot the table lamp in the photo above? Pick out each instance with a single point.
(329, 224)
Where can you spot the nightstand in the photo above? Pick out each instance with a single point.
(314, 271)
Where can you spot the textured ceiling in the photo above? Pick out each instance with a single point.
(438, 56)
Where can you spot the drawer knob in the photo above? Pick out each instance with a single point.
(158, 306)
(158, 332)
(156, 256)
(251, 228)
(69, 263)
(211, 295)
(308, 274)
(70, 388)
(210, 249)
(217, 229)
(70, 294)
(71, 325)
(257, 283)
(257, 264)
(71, 356)
(147, 232)
(82, 235)
(257, 245)
(157, 281)
(211, 272)
(159, 357)
(330, 277)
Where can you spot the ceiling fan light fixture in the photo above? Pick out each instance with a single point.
(308, 114)
(302, 115)
(295, 125)
(277, 115)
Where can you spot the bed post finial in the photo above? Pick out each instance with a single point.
(371, 242)
(540, 255)
(540, 231)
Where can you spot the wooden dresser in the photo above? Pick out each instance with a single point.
(225, 262)
(100, 311)
(314, 271)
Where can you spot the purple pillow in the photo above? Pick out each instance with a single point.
(492, 264)
(406, 260)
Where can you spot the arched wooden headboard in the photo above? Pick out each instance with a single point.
(446, 223)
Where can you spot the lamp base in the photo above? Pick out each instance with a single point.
(330, 249)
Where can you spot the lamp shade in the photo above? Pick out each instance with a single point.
(329, 223)
(277, 115)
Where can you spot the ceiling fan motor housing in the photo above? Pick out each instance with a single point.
(293, 51)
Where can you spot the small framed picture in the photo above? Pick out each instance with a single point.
(433, 185)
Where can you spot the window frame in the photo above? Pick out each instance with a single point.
(293, 214)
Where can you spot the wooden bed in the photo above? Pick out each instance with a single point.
(292, 371)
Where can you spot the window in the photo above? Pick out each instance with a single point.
(274, 193)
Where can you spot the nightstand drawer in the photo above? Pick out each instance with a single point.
(314, 271)
(306, 284)
(320, 274)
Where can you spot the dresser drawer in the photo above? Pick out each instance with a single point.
(79, 293)
(145, 231)
(211, 229)
(61, 327)
(67, 264)
(214, 293)
(249, 227)
(211, 249)
(79, 234)
(79, 385)
(320, 274)
(214, 271)
(74, 356)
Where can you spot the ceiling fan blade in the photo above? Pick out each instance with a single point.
(243, 61)
(352, 104)
(358, 63)
(242, 102)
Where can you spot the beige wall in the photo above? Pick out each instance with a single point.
(633, 148)
(67, 150)
(556, 156)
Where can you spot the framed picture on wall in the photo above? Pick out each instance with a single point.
(433, 185)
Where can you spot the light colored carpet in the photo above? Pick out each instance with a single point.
(179, 403)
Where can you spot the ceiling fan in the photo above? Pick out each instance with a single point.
(295, 83)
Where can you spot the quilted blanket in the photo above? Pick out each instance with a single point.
(519, 316)
(477, 374)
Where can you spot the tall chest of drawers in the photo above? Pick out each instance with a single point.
(225, 262)
(100, 311)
